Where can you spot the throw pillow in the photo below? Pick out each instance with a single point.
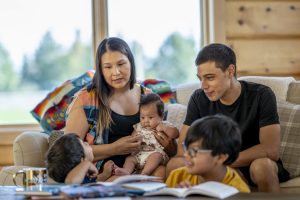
(289, 115)
(50, 112)
(162, 88)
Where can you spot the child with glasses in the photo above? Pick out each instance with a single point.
(211, 145)
(151, 126)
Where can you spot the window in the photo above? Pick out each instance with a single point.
(42, 44)
(163, 35)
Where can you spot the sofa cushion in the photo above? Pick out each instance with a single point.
(289, 115)
(176, 114)
(279, 85)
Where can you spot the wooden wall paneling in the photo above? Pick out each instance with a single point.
(267, 57)
(262, 18)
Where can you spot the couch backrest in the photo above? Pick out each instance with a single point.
(279, 85)
(293, 94)
(285, 88)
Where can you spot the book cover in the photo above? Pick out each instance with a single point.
(93, 191)
(210, 188)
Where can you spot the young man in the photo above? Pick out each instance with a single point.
(251, 105)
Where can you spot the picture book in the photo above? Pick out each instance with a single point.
(130, 178)
(210, 188)
(92, 191)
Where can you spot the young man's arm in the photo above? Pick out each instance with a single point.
(178, 160)
(182, 136)
(269, 137)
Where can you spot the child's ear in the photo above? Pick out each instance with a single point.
(222, 158)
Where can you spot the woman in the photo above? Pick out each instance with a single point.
(103, 114)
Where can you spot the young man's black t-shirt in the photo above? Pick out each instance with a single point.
(255, 108)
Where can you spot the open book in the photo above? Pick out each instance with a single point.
(136, 184)
(130, 179)
(210, 188)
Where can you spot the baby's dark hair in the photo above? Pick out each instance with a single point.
(218, 133)
(153, 98)
(63, 156)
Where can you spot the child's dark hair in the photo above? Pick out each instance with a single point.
(63, 156)
(218, 133)
(221, 54)
(153, 98)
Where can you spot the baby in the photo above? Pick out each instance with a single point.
(69, 160)
(152, 152)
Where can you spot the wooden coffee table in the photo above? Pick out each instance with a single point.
(239, 196)
(7, 192)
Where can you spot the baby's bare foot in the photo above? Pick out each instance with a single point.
(121, 171)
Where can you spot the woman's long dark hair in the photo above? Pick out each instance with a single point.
(100, 87)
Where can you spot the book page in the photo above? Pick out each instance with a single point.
(144, 186)
(213, 189)
(177, 192)
(130, 178)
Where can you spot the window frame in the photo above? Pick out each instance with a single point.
(212, 15)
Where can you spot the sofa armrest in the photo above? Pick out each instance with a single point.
(30, 149)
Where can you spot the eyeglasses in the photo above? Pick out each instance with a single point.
(192, 152)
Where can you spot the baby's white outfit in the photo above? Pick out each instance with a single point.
(149, 145)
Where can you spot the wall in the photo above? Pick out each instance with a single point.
(264, 34)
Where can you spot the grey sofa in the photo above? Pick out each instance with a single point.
(29, 148)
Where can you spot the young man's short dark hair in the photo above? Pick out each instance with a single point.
(218, 133)
(221, 54)
(66, 153)
(153, 98)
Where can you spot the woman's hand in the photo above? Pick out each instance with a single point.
(169, 144)
(127, 144)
